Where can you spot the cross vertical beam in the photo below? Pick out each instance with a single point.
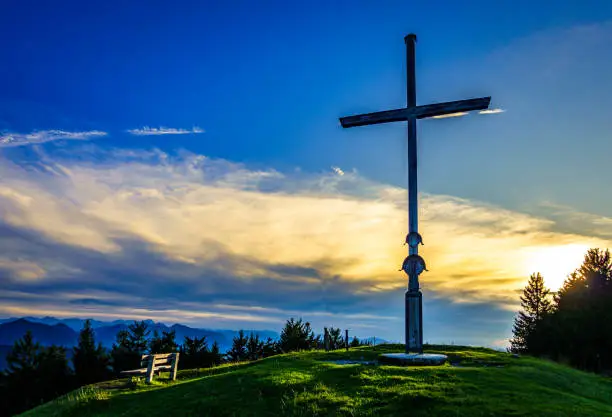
(413, 302)
(413, 219)
(414, 264)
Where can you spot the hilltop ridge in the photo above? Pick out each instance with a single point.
(476, 382)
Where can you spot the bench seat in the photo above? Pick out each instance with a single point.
(144, 370)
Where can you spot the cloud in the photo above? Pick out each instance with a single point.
(463, 113)
(491, 111)
(42, 136)
(445, 116)
(147, 131)
(183, 237)
(338, 171)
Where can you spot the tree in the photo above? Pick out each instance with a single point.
(270, 347)
(138, 333)
(335, 338)
(297, 335)
(535, 304)
(24, 356)
(254, 347)
(195, 353)
(168, 339)
(122, 356)
(166, 343)
(55, 375)
(582, 320)
(90, 361)
(155, 343)
(238, 352)
(597, 272)
(589, 285)
(355, 342)
(35, 374)
(216, 357)
(120, 353)
(129, 346)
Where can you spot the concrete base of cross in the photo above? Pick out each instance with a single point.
(413, 359)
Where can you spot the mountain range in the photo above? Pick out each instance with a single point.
(65, 332)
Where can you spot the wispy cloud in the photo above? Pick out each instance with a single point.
(491, 111)
(444, 116)
(42, 136)
(338, 170)
(147, 131)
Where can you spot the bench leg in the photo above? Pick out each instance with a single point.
(175, 358)
(150, 369)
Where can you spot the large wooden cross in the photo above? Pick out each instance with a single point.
(414, 264)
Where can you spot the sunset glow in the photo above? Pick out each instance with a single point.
(555, 263)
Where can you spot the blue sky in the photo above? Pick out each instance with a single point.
(254, 204)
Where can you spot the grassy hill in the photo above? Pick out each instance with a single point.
(478, 382)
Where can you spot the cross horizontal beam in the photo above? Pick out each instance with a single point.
(418, 112)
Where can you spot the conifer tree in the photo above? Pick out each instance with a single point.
(155, 343)
(270, 347)
(129, 346)
(122, 357)
(335, 338)
(90, 361)
(215, 353)
(54, 373)
(137, 337)
(254, 347)
(35, 374)
(195, 353)
(24, 356)
(297, 335)
(238, 352)
(168, 341)
(535, 304)
(583, 318)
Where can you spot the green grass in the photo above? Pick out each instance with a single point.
(481, 382)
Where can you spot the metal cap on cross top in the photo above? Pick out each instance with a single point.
(414, 264)
(410, 37)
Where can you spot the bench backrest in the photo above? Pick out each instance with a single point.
(161, 359)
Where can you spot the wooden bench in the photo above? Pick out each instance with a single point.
(157, 362)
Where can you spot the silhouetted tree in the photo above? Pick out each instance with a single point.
(238, 352)
(169, 341)
(591, 283)
(90, 361)
(155, 343)
(355, 342)
(297, 335)
(270, 347)
(166, 343)
(254, 347)
(582, 321)
(216, 357)
(535, 304)
(55, 374)
(122, 356)
(35, 374)
(24, 356)
(195, 353)
(335, 338)
(577, 327)
(129, 347)
(137, 337)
